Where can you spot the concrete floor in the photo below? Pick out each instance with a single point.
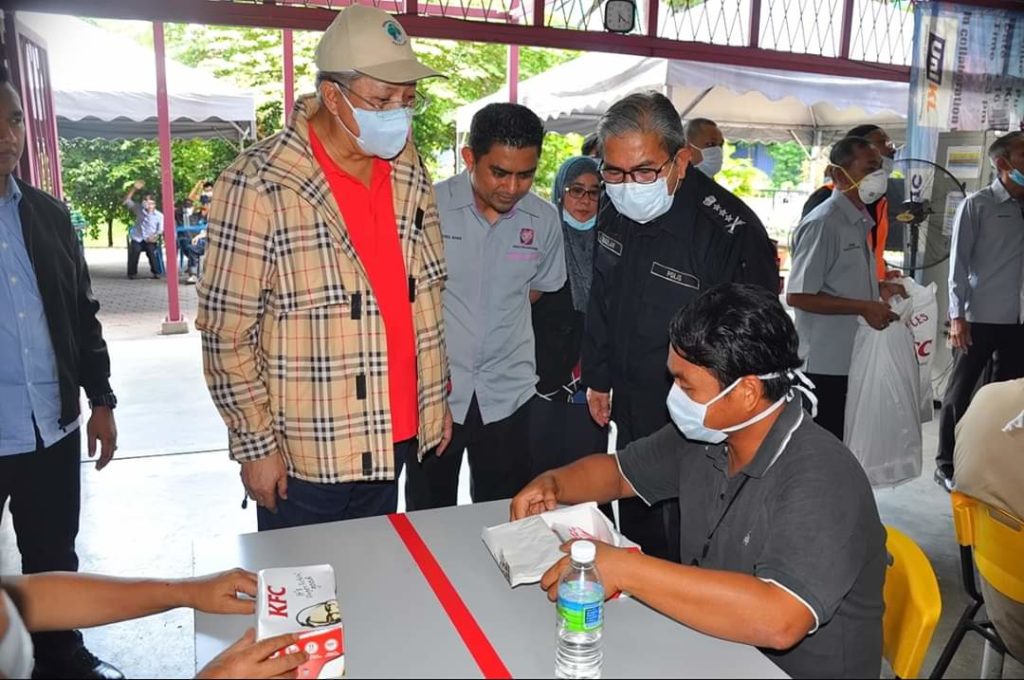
(172, 483)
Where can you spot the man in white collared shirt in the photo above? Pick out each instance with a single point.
(986, 275)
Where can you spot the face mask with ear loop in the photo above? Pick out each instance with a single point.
(381, 133)
(871, 187)
(642, 203)
(688, 415)
(16, 651)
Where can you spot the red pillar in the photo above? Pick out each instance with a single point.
(289, 75)
(174, 322)
(513, 73)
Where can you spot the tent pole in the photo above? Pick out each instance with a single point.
(174, 322)
(513, 74)
(693, 104)
(289, 75)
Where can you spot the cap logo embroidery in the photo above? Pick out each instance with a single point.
(395, 32)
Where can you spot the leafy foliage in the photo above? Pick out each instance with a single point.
(791, 165)
(98, 172)
(739, 175)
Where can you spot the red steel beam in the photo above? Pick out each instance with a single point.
(755, 23)
(317, 19)
(847, 28)
(653, 9)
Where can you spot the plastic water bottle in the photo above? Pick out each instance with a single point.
(580, 616)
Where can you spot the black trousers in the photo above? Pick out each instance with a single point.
(45, 491)
(1001, 343)
(561, 433)
(831, 393)
(499, 462)
(136, 248)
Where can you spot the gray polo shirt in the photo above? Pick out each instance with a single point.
(801, 515)
(830, 254)
(986, 258)
(491, 270)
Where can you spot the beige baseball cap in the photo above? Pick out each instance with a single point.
(371, 42)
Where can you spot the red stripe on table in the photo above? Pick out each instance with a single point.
(469, 630)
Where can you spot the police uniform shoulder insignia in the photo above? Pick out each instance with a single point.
(724, 216)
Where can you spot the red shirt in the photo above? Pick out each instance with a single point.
(369, 215)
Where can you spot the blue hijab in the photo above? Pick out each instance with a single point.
(579, 245)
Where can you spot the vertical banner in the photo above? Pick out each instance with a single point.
(967, 74)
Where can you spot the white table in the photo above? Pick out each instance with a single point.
(395, 626)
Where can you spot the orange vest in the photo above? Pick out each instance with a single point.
(877, 236)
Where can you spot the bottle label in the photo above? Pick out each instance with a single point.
(581, 612)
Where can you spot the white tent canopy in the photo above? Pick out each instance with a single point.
(104, 85)
(751, 104)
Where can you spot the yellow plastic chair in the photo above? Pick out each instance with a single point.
(912, 605)
(993, 541)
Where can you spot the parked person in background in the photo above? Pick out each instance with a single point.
(59, 601)
(707, 145)
(144, 236)
(986, 288)
(989, 456)
(781, 544)
(52, 348)
(590, 147)
(561, 429)
(504, 250)
(667, 234)
(833, 278)
(880, 209)
(328, 232)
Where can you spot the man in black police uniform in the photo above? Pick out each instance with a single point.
(667, 234)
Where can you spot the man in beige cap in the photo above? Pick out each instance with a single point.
(320, 302)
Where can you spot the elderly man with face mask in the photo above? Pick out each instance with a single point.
(667, 233)
(320, 302)
(833, 279)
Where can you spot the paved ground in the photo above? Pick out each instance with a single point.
(172, 483)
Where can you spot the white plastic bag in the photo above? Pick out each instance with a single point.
(924, 322)
(883, 427)
(525, 549)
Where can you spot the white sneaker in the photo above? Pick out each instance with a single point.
(191, 278)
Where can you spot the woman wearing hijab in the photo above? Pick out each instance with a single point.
(561, 429)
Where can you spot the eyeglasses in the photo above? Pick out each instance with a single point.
(613, 175)
(579, 192)
(418, 102)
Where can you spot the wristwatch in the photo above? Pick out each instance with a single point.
(108, 400)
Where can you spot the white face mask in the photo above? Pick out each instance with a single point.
(16, 652)
(381, 133)
(641, 202)
(872, 187)
(688, 415)
(714, 158)
(887, 165)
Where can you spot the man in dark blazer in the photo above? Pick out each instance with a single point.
(51, 346)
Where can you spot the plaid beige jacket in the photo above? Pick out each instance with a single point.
(294, 348)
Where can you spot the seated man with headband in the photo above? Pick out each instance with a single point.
(781, 543)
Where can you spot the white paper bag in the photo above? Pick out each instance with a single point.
(924, 322)
(527, 548)
(883, 404)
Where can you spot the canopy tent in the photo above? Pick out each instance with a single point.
(104, 85)
(750, 104)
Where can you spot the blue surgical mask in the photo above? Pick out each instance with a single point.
(586, 225)
(641, 202)
(1017, 177)
(688, 415)
(381, 133)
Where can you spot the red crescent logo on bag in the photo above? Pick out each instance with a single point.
(526, 236)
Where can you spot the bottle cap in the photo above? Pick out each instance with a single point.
(583, 552)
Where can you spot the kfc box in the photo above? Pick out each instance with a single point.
(303, 600)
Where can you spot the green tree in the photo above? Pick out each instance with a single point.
(739, 175)
(791, 165)
(98, 172)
